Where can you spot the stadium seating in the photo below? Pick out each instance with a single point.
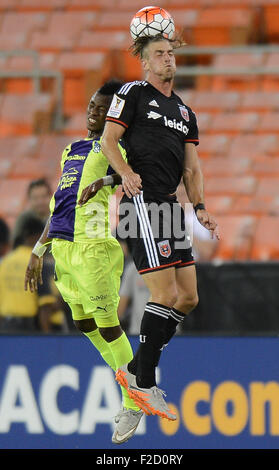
(223, 26)
(236, 232)
(265, 240)
(22, 115)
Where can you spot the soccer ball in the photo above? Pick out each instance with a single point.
(150, 21)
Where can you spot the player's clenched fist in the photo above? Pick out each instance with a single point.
(90, 191)
(131, 183)
(33, 274)
(208, 222)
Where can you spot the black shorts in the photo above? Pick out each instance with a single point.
(154, 229)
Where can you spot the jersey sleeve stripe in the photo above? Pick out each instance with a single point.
(123, 88)
(117, 121)
(191, 140)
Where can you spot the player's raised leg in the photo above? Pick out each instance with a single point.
(143, 389)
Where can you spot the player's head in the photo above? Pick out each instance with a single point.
(99, 105)
(39, 193)
(31, 230)
(157, 56)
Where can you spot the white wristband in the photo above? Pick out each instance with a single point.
(39, 249)
(108, 180)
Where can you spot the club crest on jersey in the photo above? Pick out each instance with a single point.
(96, 147)
(164, 248)
(184, 112)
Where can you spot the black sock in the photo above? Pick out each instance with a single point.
(152, 339)
(175, 318)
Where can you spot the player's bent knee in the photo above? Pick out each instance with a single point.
(110, 333)
(167, 299)
(85, 326)
(188, 302)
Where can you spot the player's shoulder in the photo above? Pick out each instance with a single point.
(75, 145)
(130, 88)
(183, 104)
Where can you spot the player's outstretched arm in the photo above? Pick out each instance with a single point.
(193, 182)
(131, 182)
(33, 273)
(92, 189)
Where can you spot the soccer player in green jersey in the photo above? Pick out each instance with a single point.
(88, 259)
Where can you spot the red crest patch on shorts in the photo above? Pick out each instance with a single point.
(164, 248)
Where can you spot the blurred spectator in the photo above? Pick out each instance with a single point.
(38, 194)
(21, 311)
(133, 298)
(4, 238)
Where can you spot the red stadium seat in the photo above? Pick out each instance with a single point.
(33, 168)
(43, 5)
(213, 145)
(266, 166)
(76, 67)
(223, 166)
(115, 20)
(19, 147)
(187, 96)
(265, 246)
(92, 5)
(8, 5)
(214, 101)
(222, 26)
(74, 21)
(46, 61)
(52, 145)
(15, 41)
(136, 4)
(76, 125)
(76, 63)
(259, 101)
(49, 42)
(237, 82)
(268, 186)
(204, 122)
(102, 41)
(236, 234)
(271, 20)
(15, 22)
(20, 113)
(234, 123)
(252, 205)
(219, 205)
(228, 185)
(186, 18)
(6, 164)
(12, 195)
(17, 27)
(270, 82)
(63, 31)
(252, 145)
(269, 122)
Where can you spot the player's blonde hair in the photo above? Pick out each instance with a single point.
(140, 44)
